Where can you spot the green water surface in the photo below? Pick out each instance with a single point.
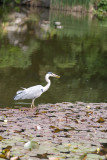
(32, 45)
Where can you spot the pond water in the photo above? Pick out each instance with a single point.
(32, 45)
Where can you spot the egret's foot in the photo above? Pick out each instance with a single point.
(33, 106)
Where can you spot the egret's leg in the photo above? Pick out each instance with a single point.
(33, 105)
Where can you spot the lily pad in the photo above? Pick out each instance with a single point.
(95, 157)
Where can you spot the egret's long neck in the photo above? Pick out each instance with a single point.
(48, 83)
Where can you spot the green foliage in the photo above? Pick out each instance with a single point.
(102, 9)
(18, 1)
(102, 5)
(15, 56)
(64, 4)
(5, 2)
(90, 52)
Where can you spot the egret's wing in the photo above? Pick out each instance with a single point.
(33, 92)
(18, 92)
(29, 93)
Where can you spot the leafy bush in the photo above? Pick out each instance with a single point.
(101, 11)
(102, 5)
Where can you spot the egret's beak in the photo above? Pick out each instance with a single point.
(57, 76)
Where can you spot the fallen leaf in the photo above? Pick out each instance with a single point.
(7, 149)
(52, 127)
(3, 156)
(44, 112)
(85, 157)
(42, 156)
(19, 131)
(57, 130)
(101, 120)
(76, 121)
(1, 138)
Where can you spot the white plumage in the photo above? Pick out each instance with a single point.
(29, 93)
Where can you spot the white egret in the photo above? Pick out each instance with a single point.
(35, 91)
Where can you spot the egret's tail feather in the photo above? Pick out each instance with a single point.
(19, 95)
(20, 91)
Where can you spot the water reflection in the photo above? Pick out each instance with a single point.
(31, 45)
